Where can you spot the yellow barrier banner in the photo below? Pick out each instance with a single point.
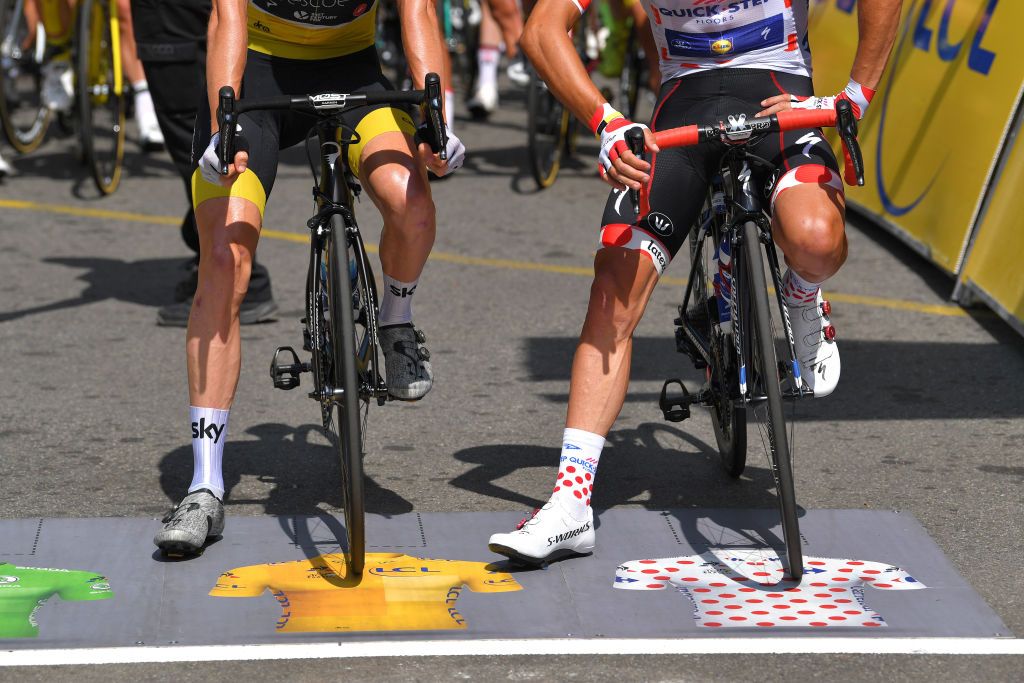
(934, 130)
(993, 267)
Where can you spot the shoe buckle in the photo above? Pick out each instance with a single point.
(829, 332)
(526, 520)
(826, 308)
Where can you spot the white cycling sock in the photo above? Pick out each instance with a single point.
(798, 291)
(396, 305)
(145, 113)
(209, 432)
(487, 58)
(577, 469)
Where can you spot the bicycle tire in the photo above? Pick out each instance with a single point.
(99, 90)
(629, 79)
(765, 376)
(547, 132)
(728, 416)
(23, 115)
(346, 430)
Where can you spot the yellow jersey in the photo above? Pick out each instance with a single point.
(396, 592)
(311, 29)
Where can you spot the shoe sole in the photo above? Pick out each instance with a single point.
(515, 555)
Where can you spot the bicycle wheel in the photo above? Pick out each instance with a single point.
(547, 131)
(99, 87)
(23, 114)
(728, 416)
(629, 79)
(346, 407)
(766, 394)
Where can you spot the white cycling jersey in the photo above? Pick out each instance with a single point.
(700, 35)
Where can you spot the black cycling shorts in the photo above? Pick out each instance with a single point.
(680, 176)
(268, 132)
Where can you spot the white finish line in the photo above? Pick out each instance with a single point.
(512, 647)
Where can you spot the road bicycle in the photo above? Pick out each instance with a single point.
(340, 329)
(746, 382)
(100, 102)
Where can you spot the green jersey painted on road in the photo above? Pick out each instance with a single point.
(24, 589)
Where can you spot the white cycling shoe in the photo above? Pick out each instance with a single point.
(484, 101)
(815, 339)
(552, 533)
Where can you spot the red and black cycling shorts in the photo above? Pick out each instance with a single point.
(680, 176)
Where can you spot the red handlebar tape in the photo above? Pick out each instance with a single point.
(684, 136)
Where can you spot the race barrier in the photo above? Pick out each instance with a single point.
(938, 139)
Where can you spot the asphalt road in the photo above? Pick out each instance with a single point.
(927, 418)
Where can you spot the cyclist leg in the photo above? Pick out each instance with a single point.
(387, 164)
(57, 88)
(150, 136)
(228, 220)
(808, 212)
(633, 253)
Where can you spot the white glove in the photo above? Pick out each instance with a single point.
(209, 163)
(857, 94)
(613, 128)
(456, 151)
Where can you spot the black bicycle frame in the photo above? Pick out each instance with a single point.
(742, 205)
(334, 195)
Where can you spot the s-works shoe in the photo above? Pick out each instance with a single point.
(815, 339)
(197, 518)
(550, 534)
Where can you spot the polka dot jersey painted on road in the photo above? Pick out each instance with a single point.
(740, 589)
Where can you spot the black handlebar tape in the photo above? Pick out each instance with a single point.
(435, 107)
(635, 141)
(226, 120)
(846, 124)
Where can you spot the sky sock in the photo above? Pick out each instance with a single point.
(209, 432)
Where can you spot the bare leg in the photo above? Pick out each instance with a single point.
(623, 284)
(228, 233)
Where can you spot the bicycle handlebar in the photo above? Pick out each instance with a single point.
(740, 127)
(326, 104)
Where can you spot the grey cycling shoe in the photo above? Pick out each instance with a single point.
(407, 362)
(198, 517)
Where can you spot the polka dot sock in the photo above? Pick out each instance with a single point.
(577, 469)
(796, 290)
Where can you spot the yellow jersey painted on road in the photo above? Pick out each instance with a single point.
(311, 29)
(396, 592)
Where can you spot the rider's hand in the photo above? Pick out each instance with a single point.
(456, 155)
(858, 95)
(209, 163)
(619, 167)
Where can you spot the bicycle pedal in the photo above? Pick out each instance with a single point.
(286, 375)
(675, 408)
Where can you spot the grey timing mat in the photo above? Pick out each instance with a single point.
(430, 576)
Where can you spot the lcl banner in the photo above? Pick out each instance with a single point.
(937, 126)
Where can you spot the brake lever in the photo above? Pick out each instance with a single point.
(439, 140)
(846, 124)
(635, 141)
(227, 119)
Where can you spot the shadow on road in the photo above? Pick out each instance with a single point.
(303, 472)
(882, 380)
(149, 282)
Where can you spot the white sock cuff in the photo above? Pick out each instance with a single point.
(584, 438)
(801, 283)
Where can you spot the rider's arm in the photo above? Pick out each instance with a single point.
(421, 38)
(547, 43)
(227, 41)
(877, 24)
